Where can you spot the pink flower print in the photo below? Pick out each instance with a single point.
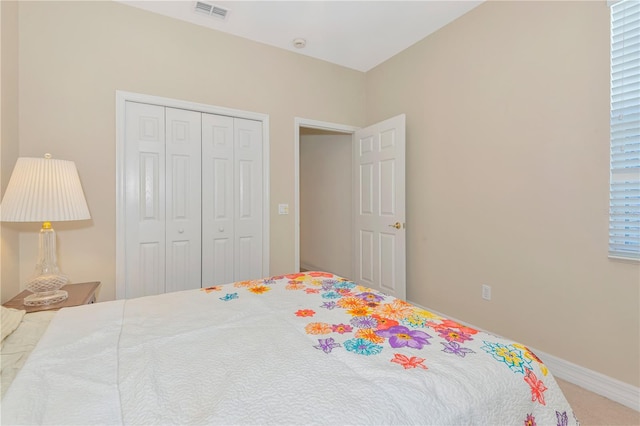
(530, 420)
(453, 336)
(341, 328)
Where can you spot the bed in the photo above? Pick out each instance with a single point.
(305, 348)
(20, 335)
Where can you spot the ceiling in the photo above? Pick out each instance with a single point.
(355, 34)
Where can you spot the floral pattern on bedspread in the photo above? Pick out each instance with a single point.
(343, 316)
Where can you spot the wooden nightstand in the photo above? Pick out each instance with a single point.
(79, 294)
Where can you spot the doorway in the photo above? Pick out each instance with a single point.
(323, 199)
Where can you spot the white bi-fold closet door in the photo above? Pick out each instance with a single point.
(193, 199)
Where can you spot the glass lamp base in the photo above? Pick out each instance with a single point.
(46, 298)
(46, 290)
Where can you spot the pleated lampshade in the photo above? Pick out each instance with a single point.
(44, 190)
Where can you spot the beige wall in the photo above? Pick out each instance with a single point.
(9, 233)
(507, 179)
(325, 203)
(75, 55)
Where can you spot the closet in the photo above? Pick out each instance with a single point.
(193, 199)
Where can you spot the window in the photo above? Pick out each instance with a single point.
(624, 204)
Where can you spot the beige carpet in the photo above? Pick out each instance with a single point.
(593, 409)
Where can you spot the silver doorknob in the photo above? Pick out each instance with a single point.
(220, 229)
(181, 231)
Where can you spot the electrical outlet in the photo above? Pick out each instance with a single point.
(486, 292)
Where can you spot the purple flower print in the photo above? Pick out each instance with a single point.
(328, 285)
(456, 349)
(364, 322)
(563, 419)
(400, 336)
(327, 345)
(370, 297)
(329, 305)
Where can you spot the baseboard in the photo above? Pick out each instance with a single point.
(308, 267)
(620, 392)
(598, 383)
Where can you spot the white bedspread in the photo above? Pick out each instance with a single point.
(273, 352)
(19, 344)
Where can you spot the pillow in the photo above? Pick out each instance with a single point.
(10, 320)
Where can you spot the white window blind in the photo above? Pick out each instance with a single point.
(624, 205)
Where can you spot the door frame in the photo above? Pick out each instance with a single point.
(121, 98)
(312, 124)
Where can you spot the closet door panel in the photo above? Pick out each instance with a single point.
(246, 249)
(145, 199)
(183, 199)
(218, 227)
(248, 205)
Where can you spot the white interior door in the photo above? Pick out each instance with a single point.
(379, 210)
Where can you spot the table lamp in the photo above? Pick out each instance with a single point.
(44, 190)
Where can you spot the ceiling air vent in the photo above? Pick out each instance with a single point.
(209, 9)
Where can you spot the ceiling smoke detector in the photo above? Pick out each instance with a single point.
(299, 43)
(209, 9)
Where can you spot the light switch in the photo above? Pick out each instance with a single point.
(283, 208)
